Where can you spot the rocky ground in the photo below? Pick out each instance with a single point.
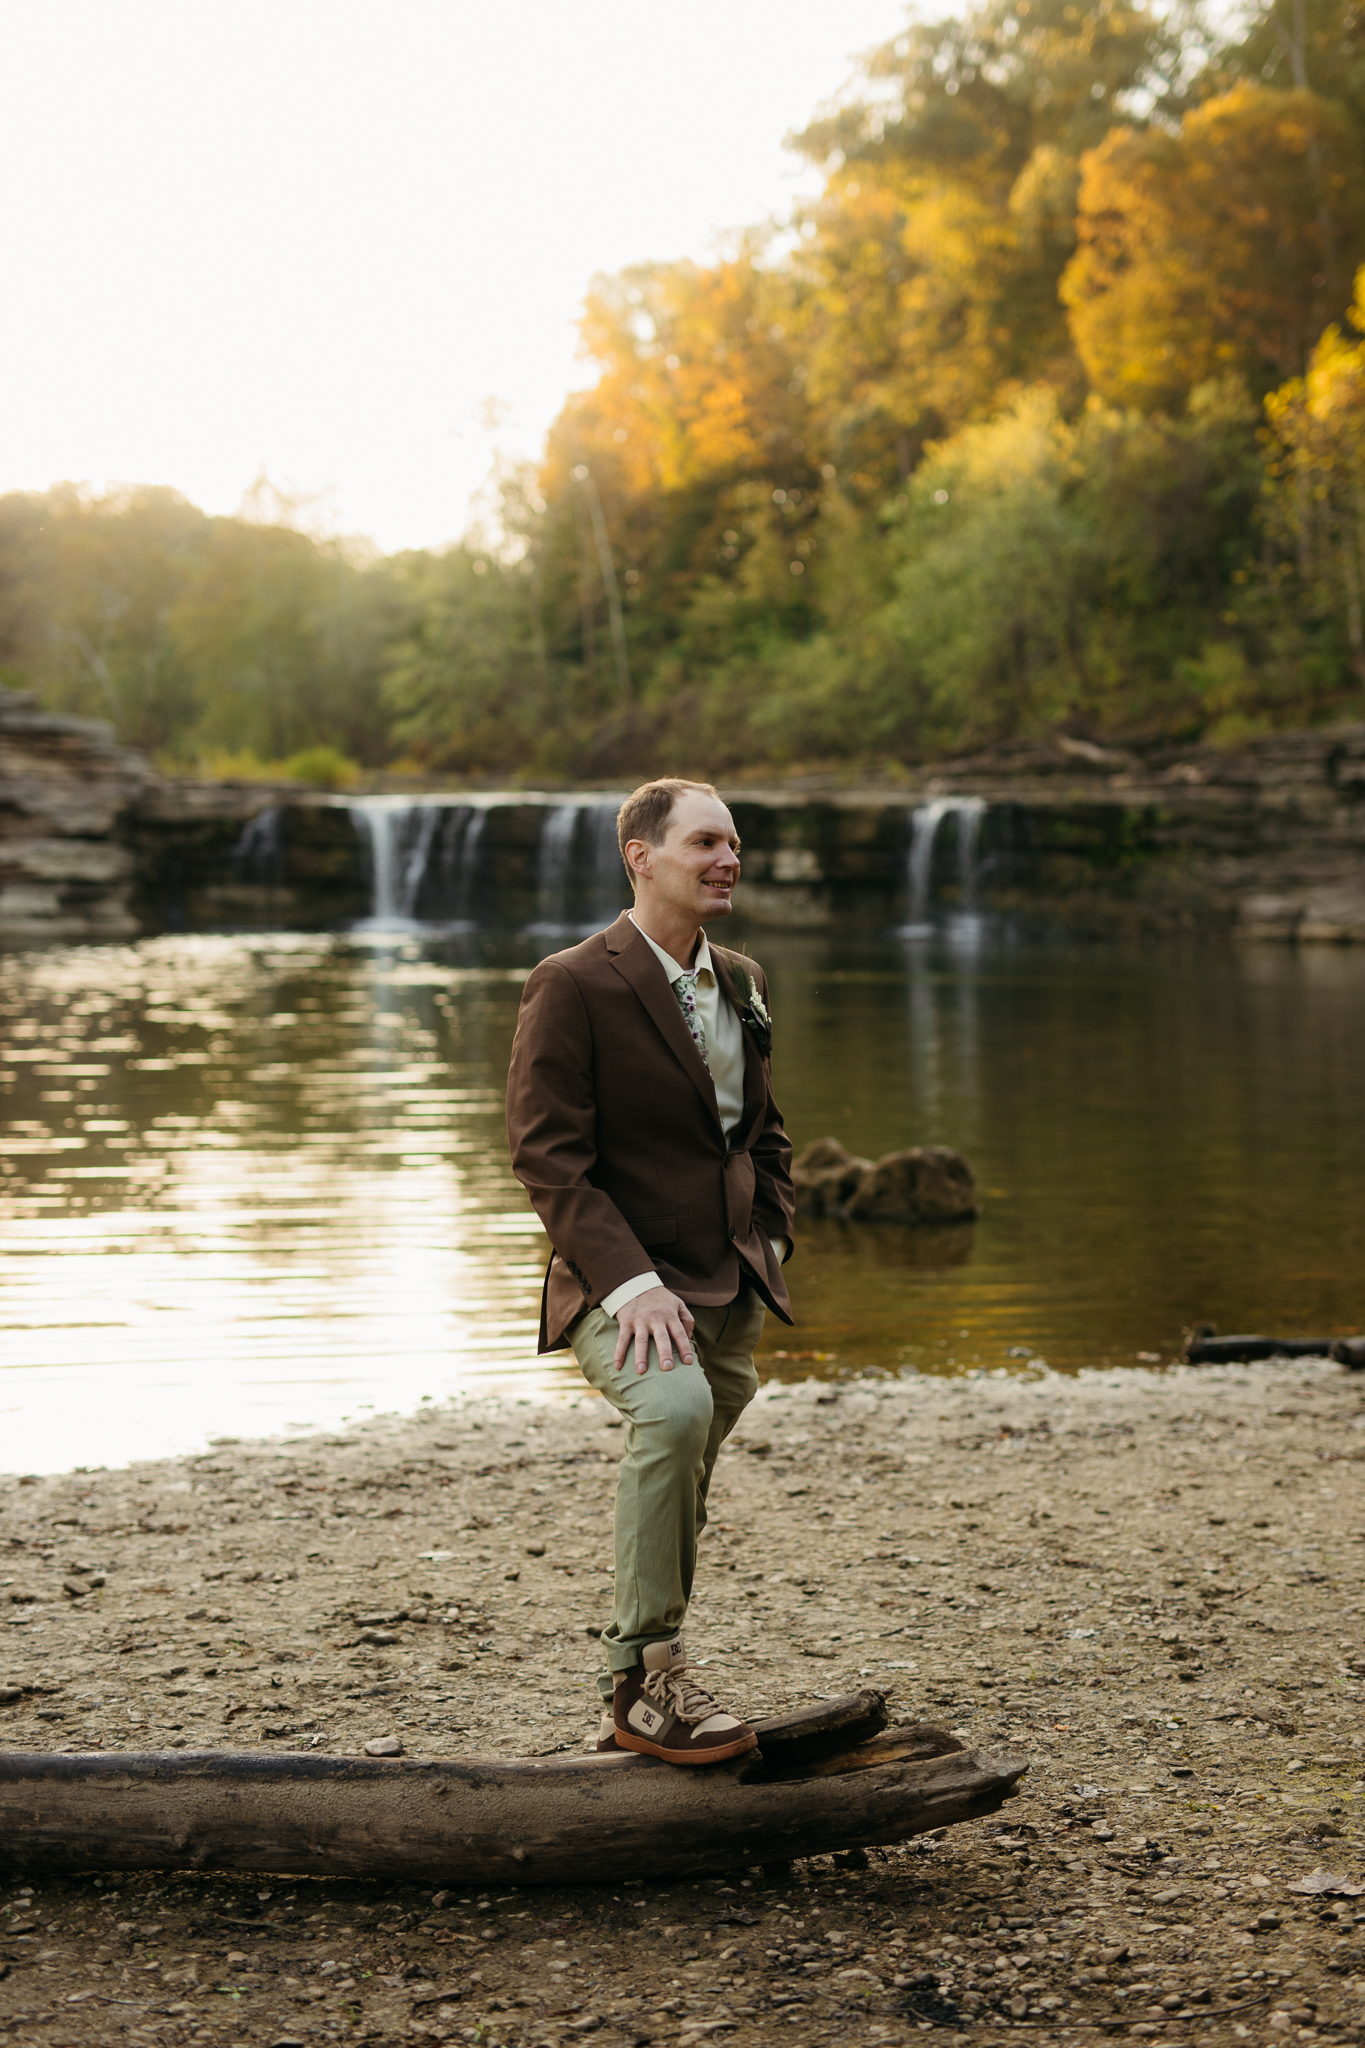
(1148, 1582)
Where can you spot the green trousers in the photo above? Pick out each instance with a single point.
(676, 1423)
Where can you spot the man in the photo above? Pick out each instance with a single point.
(643, 1127)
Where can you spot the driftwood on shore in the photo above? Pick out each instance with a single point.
(1211, 1350)
(832, 1778)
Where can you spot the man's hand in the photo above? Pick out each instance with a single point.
(657, 1314)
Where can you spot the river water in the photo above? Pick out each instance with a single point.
(256, 1184)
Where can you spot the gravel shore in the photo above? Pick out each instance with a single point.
(1148, 1582)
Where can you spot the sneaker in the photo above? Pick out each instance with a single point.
(606, 1733)
(660, 1710)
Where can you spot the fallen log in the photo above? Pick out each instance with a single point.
(1210, 1350)
(532, 1821)
(822, 1729)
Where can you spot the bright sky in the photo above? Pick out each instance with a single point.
(316, 237)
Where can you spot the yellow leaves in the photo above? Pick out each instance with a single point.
(1026, 448)
(906, 297)
(1223, 248)
(1316, 480)
(695, 367)
(1042, 199)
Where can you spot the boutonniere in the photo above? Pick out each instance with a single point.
(754, 1014)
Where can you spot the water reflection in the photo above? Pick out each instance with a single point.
(256, 1182)
(251, 1184)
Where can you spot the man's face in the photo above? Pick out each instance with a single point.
(695, 870)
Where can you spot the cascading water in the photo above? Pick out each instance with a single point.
(423, 858)
(465, 865)
(609, 889)
(924, 824)
(259, 854)
(971, 811)
(378, 820)
(580, 879)
(553, 867)
(414, 851)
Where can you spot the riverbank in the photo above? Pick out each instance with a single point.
(1148, 1582)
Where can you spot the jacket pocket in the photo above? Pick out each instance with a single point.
(654, 1229)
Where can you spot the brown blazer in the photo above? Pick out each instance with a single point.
(616, 1137)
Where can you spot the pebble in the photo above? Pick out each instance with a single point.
(1062, 1698)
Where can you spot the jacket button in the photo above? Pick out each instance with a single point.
(734, 1233)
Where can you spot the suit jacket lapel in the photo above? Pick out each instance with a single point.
(755, 1086)
(632, 958)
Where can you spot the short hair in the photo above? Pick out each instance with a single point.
(647, 810)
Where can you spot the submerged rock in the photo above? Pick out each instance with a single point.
(926, 1184)
(825, 1176)
(923, 1184)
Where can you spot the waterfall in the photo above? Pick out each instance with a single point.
(971, 810)
(609, 889)
(467, 864)
(552, 868)
(259, 854)
(377, 819)
(414, 851)
(423, 857)
(924, 823)
(426, 862)
(580, 880)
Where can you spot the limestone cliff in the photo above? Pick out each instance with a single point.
(66, 790)
(1264, 841)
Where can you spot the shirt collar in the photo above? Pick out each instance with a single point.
(701, 966)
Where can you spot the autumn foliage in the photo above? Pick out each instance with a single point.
(1224, 248)
(1049, 410)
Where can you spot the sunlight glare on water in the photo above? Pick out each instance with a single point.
(251, 1184)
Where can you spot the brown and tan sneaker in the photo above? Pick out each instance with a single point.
(606, 1732)
(660, 1710)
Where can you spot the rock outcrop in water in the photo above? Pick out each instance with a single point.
(66, 789)
(923, 1184)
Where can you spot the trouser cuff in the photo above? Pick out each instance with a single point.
(623, 1654)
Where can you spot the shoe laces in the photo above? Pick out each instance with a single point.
(679, 1693)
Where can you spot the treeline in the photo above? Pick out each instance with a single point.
(1049, 411)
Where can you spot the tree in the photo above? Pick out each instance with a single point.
(1296, 43)
(1223, 248)
(907, 298)
(1053, 570)
(932, 262)
(88, 586)
(464, 684)
(1316, 491)
(972, 97)
(255, 624)
(698, 416)
(192, 633)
